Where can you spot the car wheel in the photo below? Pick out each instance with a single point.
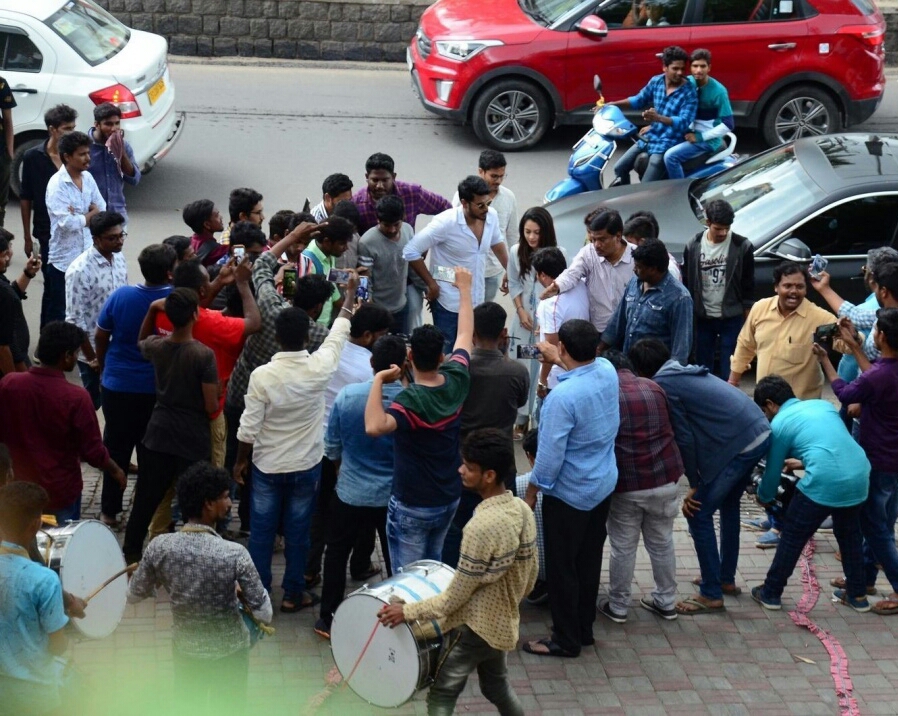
(510, 115)
(15, 178)
(802, 111)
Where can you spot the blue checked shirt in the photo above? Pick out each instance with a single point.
(863, 317)
(680, 105)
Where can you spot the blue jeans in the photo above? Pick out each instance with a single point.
(447, 322)
(415, 304)
(722, 493)
(400, 321)
(90, 379)
(69, 513)
(802, 520)
(878, 526)
(676, 157)
(286, 498)
(707, 331)
(417, 532)
(53, 300)
(624, 165)
(491, 287)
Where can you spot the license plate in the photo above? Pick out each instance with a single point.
(156, 91)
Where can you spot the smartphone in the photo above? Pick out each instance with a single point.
(444, 273)
(289, 283)
(818, 265)
(338, 276)
(362, 291)
(238, 252)
(826, 332)
(528, 351)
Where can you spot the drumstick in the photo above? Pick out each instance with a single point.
(127, 570)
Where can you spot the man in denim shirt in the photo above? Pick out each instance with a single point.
(112, 161)
(669, 103)
(655, 305)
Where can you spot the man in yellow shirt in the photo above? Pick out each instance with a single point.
(779, 331)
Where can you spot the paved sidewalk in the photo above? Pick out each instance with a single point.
(744, 661)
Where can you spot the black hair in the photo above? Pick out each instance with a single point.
(887, 323)
(472, 186)
(701, 54)
(530, 442)
(337, 229)
(788, 268)
(246, 233)
(312, 290)
(101, 222)
(20, 503)
(5, 465)
(370, 317)
(618, 359)
(640, 228)
(886, 277)
(179, 244)
(181, 305)
(336, 184)
(652, 253)
(58, 115)
(156, 262)
(491, 159)
(490, 449)
(648, 355)
(242, 201)
(390, 209)
(549, 261)
(427, 346)
(279, 224)
(298, 218)
(774, 388)
(349, 210)
(291, 327)
(543, 219)
(672, 54)
(69, 143)
(489, 320)
(105, 111)
(649, 216)
(720, 212)
(580, 338)
(197, 213)
(189, 274)
(379, 160)
(200, 483)
(6, 239)
(57, 339)
(604, 219)
(387, 351)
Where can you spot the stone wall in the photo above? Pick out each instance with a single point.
(891, 41)
(370, 30)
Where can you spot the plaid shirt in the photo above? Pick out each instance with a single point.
(680, 105)
(262, 345)
(417, 200)
(863, 317)
(647, 455)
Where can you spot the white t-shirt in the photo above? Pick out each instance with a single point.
(713, 266)
(553, 312)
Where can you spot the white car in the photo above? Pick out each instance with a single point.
(73, 52)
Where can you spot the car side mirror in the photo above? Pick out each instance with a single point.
(592, 26)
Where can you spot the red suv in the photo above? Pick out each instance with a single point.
(514, 68)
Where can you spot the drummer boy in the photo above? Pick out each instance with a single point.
(497, 567)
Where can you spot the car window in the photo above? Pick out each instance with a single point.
(641, 13)
(18, 53)
(720, 11)
(90, 31)
(853, 227)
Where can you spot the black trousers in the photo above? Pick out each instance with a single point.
(346, 524)
(574, 543)
(126, 415)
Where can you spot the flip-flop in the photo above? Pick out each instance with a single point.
(297, 605)
(552, 648)
(886, 607)
(731, 590)
(696, 607)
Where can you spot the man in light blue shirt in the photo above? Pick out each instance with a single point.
(576, 471)
(457, 237)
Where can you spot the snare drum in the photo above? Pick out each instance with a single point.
(400, 661)
(85, 554)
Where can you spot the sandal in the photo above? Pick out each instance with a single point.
(290, 604)
(312, 580)
(372, 571)
(839, 583)
(886, 607)
(519, 432)
(729, 589)
(551, 648)
(693, 606)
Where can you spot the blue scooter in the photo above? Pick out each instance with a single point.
(597, 146)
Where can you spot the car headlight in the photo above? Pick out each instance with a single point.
(463, 50)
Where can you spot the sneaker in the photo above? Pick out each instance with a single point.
(826, 525)
(839, 583)
(539, 594)
(322, 629)
(652, 606)
(840, 596)
(761, 524)
(772, 604)
(605, 610)
(769, 540)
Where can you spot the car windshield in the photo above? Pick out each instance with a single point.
(89, 30)
(548, 12)
(765, 191)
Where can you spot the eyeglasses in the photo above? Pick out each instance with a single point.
(482, 204)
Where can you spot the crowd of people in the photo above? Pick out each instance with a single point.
(295, 369)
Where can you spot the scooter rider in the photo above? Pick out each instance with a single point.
(669, 103)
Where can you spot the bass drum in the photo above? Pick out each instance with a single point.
(85, 554)
(387, 666)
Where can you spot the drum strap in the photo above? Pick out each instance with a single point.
(10, 548)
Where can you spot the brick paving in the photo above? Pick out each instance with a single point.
(743, 661)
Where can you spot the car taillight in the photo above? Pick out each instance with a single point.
(120, 96)
(871, 35)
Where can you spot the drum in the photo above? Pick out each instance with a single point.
(85, 554)
(397, 662)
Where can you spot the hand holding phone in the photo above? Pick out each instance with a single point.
(338, 276)
(818, 266)
(528, 352)
(289, 285)
(238, 252)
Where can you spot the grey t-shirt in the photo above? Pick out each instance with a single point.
(389, 273)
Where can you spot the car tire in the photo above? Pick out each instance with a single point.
(511, 115)
(15, 178)
(801, 111)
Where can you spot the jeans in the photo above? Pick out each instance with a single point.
(447, 322)
(878, 526)
(415, 533)
(69, 513)
(286, 498)
(651, 513)
(803, 518)
(452, 544)
(676, 157)
(211, 686)
(126, 416)
(464, 652)
(624, 165)
(90, 379)
(722, 493)
(707, 331)
(400, 321)
(232, 423)
(491, 287)
(53, 300)
(414, 297)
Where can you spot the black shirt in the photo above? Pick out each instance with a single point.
(37, 169)
(13, 326)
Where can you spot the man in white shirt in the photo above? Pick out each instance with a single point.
(282, 424)
(552, 312)
(457, 237)
(89, 280)
(491, 168)
(605, 264)
(73, 199)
